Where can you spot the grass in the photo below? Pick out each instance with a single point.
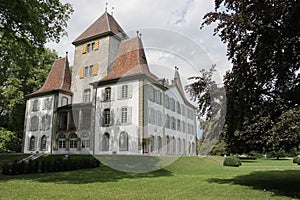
(186, 178)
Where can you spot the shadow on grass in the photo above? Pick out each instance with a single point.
(103, 173)
(281, 183)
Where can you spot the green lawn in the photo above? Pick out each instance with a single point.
(187, 178)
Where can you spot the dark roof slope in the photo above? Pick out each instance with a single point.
(59, 78)
(131, 61)
(105, 24)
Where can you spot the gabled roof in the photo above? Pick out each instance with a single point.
(59, 78)
(131, 61)
(104, 25)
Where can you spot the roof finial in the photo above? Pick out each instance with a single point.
(106, 4)
(137, 33)
(66, 54)
(140, 35)
(176, 68)
(112, 11)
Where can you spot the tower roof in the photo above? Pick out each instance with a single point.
(59, 78)
(131, 61)
(104, 25)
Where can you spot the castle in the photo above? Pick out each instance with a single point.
(111, 104)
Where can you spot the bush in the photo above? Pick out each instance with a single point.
(232, 161)
(296, 160)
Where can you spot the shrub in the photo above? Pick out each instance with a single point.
(232, 161)
(296, 160)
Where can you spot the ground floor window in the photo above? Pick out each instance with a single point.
(32, 143)
(105, 142)
(44, 143)
(73, 141)
(85, 140)
(123, 141)
(62, 141)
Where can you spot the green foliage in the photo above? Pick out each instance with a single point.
(53, 164)
(296, 160)
(220, 149)
(24, 63)
(263, 44)
(8, 140)
(232, 161)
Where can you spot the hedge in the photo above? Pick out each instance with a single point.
(232, 161)
(51, 165)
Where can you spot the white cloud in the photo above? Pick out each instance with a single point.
(173, 26)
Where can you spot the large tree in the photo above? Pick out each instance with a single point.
(25, 26)
(263, 43)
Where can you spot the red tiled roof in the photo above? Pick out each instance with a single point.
(131, 60)
(59, 78)
(104, 24)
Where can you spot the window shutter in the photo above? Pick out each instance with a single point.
(129, 115)
(81, 72)
(119, 91)
(95, 70)
(112, 116)
(130, 90)
(96, 44)
(84, 49)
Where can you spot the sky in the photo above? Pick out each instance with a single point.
(170, 31)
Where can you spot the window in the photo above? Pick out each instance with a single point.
(34, 123)
(105, 142)
(61, 141)
(88, 48)
(124, 92)
(168, 145)
(47, 104)
(73, 141)
(152, 144)
(179, 145)
(35, 105)
(157, 96)
(151, 116)
(151, 93)
(93, 46)
(159, 144)
(173, 123)
(91, 70)
(107, 94)
(73, 123)
(158, 118)
(167, 103)
(44, 143)
(32, 143)
(182, 110)
(45, 122)
(63, 119)
(86, 71)
(178, 108)
(87, 95)
(123, 141)
(183, 126)
(64, 101)
(172, 104)
(168, 122)
(178, 125)
(86, 119)
(85, 140)
(124, 115)
(106, 117)
(174, 145)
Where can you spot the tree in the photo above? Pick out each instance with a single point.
(25, 26)
(263, 43)
(8, 140)
(211, 101)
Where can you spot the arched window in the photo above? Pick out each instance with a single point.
(178, 108)
(61, 141)
(168, 122)
(105, 142)
(172, 104)
(73, 141)
(179, 145)
(168, 145)
(107, 94)
(123, 141)
(174, 145)
(35, 105)
(85, 140)
(44, 143)
(159, 144)
(64, 101)
(152, 144)
(34, 123)
(167, 103)
(173, 123)
(87, 95)
(106, 117)
(32, 143)
(178, 125)
(151, 93)
(124, 115)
